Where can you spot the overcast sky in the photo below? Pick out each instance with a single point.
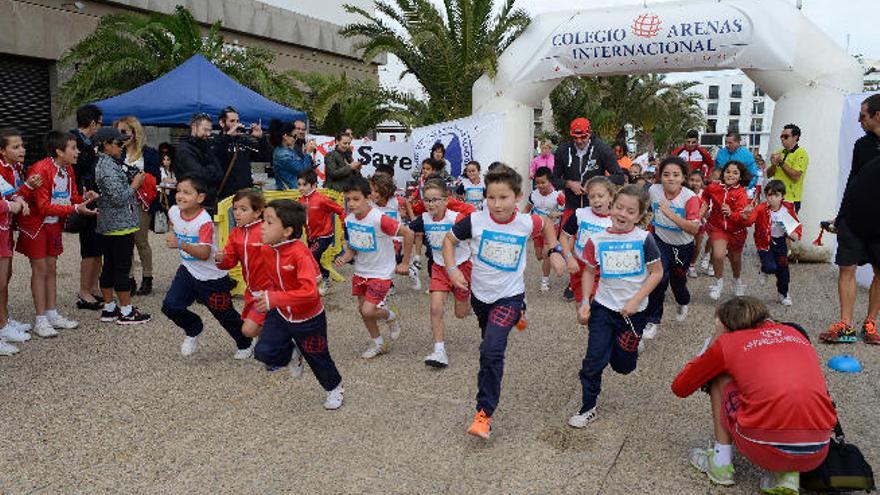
(838, 18)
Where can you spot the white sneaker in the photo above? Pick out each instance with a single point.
(242, 354)
(650, 331)
(581, 420)
(7, 349)
(784, 300)
(374, 349)
(704, 263)
(545, 285)
(334, 398)
(189, 346)
(641, 347)
(20, 326)
(63, 323)
(437, 359)
(414, 280)
(710, 271)
(296, 364)
(692, 272)
(681, 313)
(394, 326)
(13, 334)
(781, 483)
(324, 287)
(44, 329)
(716, 288)
(739, 288)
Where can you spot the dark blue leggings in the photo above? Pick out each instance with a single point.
(775, 262)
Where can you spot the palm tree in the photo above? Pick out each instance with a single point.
(447, 51)
(127, 50)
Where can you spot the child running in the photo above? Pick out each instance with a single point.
(198, 278)
(13, 192)
(295, 317)
(369, 243)
(434, 224)
(40, 231)
(383, 195)
(775, 222)
(696, 183)
(319, 225)
(243, 246)
(629, 260)
(726, 227)
(549, 203)
(675, 222)
(580, 226)
(497, 237)
(472, 188)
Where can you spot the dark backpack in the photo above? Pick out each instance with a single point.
(844, 470)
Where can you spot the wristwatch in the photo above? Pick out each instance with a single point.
(557, 249)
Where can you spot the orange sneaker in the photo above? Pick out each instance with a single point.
(839, 333)
(869, 332)
(522, 324)
(480, 426)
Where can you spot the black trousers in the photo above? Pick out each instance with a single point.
(117, 251)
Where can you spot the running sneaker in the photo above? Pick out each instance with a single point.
(110, 316)
(44, 329)
(582, 419)
(334, 398)
(296, 363)
(739, 288)
(650, 331)
(839, 333)
(869, 332)
(522, 324)
(7, 349)
(692, 272)
(23, 327)
(189, 346)
(63, 323)
(414, 280)
(716, 288)
(246, 353)
(704, 264)
(324, 287)
(681, 312)
(394, 325)
(781, 483)
(133, 318)
(437, 359)
(375, 349)
(568, 294)
(784, 300)
(14, 334)
(545, 285)
(481, 425)
(704, 461)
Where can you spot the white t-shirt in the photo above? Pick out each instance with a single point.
(371, 237)
(61, 187)
(686, 205)
(198, 230)
(777, 226)
(498, 252)
(544, 205)
(623, 259)
(435, 231)
(582, 225)
(474, 193)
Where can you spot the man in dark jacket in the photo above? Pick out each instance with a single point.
(88, 120)
(232, 146)
(858, 230)
(194, 158)
(338, 168)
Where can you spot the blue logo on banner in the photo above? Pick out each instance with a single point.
(458, 144)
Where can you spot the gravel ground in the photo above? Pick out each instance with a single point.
(106, 409)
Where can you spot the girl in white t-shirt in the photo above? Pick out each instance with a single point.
(548, 203)
(473, 188)
(628, 258)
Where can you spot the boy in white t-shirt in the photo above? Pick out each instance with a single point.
(549, 203)
(497, 237)
(198, 278)
(369, 242)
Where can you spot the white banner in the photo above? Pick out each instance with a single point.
(371, 154)
(479, 137)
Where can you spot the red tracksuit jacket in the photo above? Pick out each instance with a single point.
(319, 209)
(293, 274)
(40, 199)
(716, 195)
(761, 218)
(244, 246)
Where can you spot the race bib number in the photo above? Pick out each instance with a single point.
(473, 195)
(622, 259)
(61, 198)
(668, 224)
(189, 239)
(361, 238)
(435, 233)
(585, 230)
(501, 251)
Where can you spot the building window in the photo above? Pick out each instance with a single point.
(733, 125)
(713, 92)
(756, 140)
(757, 125)
(712, 109)
(758, 108)
(758, 91)
(736, 90)
(712, 126)
(734, 108)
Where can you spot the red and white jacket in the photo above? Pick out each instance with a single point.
(761, 218)
(319, 209)
(243, 246)
(717, 194)
(45, 205)
(12, 186)
(698, 159)
(293, 276)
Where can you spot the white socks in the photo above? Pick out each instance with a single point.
(439, 346)
(723, 454)
(110, 306)
(51, 314)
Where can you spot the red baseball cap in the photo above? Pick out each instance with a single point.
(580, 127)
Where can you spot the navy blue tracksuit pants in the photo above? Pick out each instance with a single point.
(279, 337)
(676, 261)
(775, 262)
(495, 321)
(186, 290)
(317, 247)
(607, 328)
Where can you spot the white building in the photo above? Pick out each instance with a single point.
(732, 102)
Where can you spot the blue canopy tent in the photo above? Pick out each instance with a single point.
(194, 86)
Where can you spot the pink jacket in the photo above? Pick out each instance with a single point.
(541, 161)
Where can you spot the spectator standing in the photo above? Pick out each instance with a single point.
(235, 148)
(789, 165)
(544, 159)
(88, 120)
(695, 155)
(292, 155)
(734, 150)
(338, 169)
(195, 159)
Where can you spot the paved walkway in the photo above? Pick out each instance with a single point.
(111, 409)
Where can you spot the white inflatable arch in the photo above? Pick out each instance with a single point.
(786, 55)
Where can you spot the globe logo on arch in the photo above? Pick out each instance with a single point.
(457, 142)
(646, 25)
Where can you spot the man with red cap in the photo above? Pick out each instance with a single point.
(578, 161)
